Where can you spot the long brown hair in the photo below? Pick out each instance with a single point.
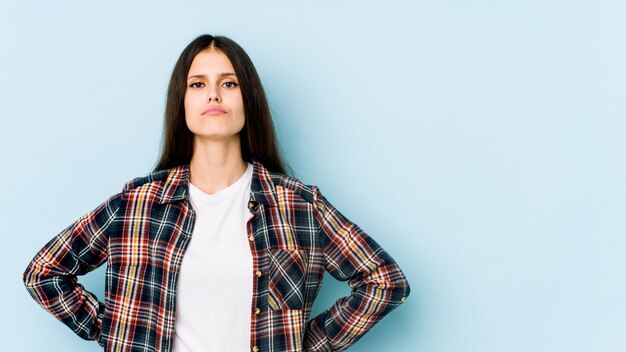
(258, 137)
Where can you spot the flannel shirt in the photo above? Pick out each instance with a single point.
(141, 233)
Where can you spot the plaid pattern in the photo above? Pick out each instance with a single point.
(142, 232)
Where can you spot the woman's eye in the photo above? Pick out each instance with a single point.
(230, 84)
(196, 85)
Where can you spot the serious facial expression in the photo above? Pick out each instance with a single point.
(213, 102)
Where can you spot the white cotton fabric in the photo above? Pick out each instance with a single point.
(215, 283)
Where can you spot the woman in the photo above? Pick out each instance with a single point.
(217, 249)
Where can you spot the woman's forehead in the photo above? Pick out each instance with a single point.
(211, 62)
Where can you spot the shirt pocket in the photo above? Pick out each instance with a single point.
(287, 279)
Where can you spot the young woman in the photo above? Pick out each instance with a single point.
(216, 249)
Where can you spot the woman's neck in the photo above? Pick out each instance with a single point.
(216, 165)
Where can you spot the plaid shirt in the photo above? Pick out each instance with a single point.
(142, 232)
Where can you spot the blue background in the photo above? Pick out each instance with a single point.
(480, 142)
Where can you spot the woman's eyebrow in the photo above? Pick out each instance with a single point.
(223, 74)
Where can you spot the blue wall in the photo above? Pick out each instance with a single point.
(480, 142)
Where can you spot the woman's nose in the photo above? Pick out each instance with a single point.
(213, 95)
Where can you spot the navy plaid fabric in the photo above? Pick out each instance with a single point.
(141, 233)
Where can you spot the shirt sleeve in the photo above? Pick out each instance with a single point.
(50, 277)
(377, 282)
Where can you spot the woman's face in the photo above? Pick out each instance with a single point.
(213, 102)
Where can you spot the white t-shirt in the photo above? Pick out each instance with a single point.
(214, 293)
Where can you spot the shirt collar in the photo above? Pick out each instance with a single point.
(176, 185)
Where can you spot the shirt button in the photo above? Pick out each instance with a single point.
(258, 273)
(403, 299)
(251, 238)
(255, 349)
(253, 205)
(257, 311)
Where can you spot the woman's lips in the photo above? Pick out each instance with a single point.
(213, 111)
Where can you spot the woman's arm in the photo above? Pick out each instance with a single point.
(377, 282)
(50, 277)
